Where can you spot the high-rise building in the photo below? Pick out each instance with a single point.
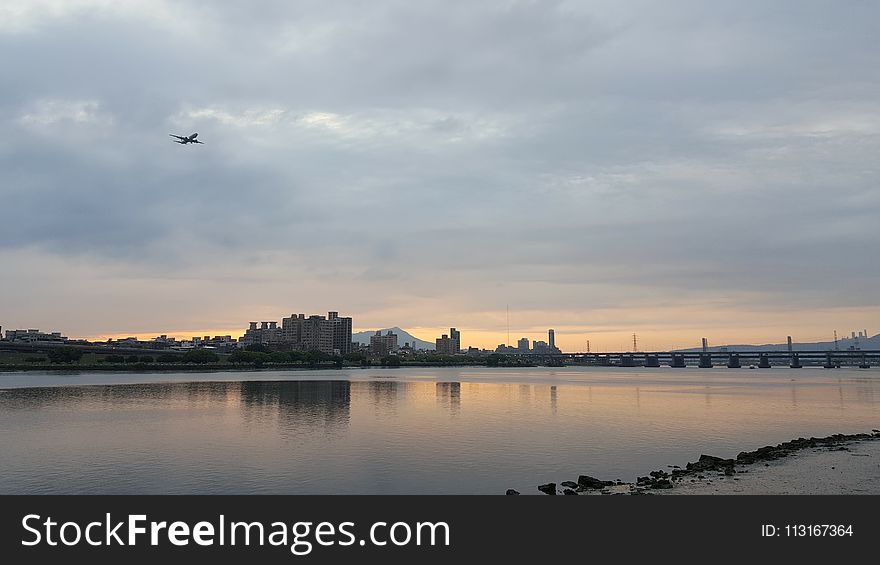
(267, 334)
(455, 338)
(341, 328)
(383, 344)
(330, 335)
(449, 344)
(551, 340)
(523, 345)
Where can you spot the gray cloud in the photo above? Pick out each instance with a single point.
(439, 149)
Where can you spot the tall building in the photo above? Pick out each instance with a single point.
(443, 345)
(268, 334)
(341, 332)
(522, 345)
(449, 344)
(383, 344)
(330, 335)
(551, 340)
(540, 347)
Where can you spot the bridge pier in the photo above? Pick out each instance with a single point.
(652, 361)
(677, 361)
(829, 362)
(795, 361)
(733, 361)
(705, 361)
(764, 361)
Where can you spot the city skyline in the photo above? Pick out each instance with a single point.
(619, 341)
(678, 171)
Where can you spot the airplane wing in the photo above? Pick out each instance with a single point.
(177, 136)
(179, 141)
(196, 141)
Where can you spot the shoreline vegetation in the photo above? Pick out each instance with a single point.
(74, 359)
(705, 469)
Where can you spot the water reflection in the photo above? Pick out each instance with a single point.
(446, 435)
(324, 404)
(449, 396)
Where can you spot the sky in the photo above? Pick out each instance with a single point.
(671, 169)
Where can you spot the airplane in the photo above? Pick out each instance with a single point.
(183, 140)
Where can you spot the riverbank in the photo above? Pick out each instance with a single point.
(836, 464)
(214, 367)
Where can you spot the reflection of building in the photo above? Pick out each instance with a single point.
(314, 333)
(301, 405)
(449, 344)
(383, 344)
(34, 336)
(449, 395)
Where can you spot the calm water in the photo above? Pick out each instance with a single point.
(473, 430)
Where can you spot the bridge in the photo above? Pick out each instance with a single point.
(707, 359)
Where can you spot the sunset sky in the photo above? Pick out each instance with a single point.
(674, 169)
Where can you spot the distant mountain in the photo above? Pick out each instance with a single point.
(403, 336)
(843, 344)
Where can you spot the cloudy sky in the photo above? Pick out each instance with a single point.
(676, 169)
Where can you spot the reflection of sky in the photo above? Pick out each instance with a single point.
(674, 169)
(402, 436)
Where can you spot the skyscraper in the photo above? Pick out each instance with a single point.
(383, 344)
(449, 344)
(455, 338)
(314, 333)
(551, 340)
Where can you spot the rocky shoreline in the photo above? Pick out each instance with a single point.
(703, 469)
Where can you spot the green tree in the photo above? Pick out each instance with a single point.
(279, 357)
(355, 356)
(391, 361)
(315, 357)
(146, 359)
(65, 355)
(200, 356)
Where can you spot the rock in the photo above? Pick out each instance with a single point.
(661, 483)
(510, 491)
(549, 488)
(569, 484)
(569, 492)
(587, 481)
